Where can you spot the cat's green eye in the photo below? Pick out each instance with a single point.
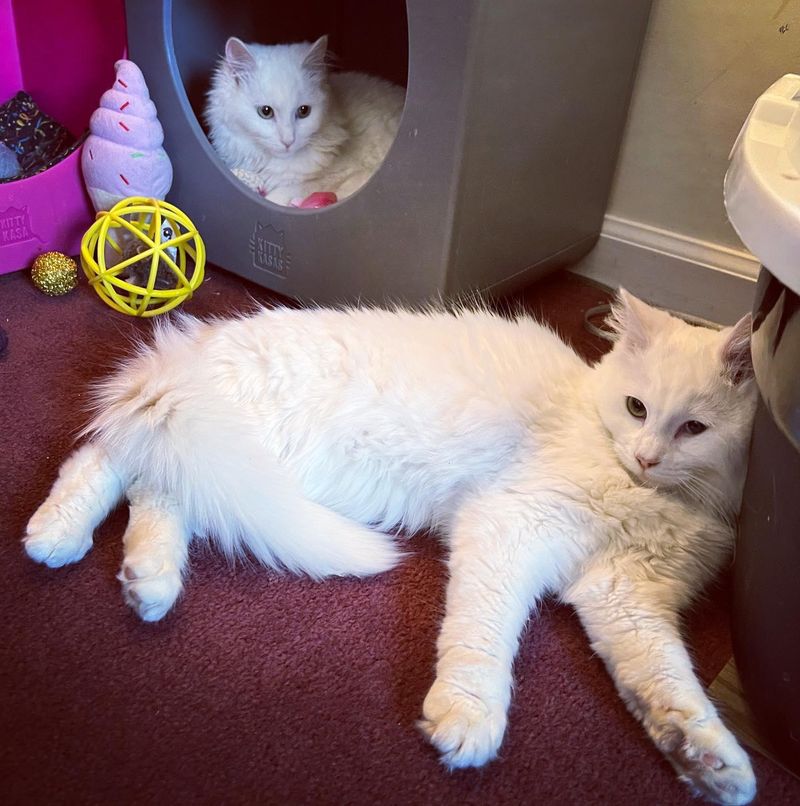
(636, 408)
(303, 111)
(693, 427)
(266, 112)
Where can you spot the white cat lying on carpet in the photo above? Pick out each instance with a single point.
(288, 127)
(297, 435)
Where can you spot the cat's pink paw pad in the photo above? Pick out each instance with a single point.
(53, 540)
(710, 760)
(150, 586)
(466, 730)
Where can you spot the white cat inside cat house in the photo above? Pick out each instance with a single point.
(289, 127)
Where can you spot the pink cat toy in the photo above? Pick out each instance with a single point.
(123, 155)
(314, 201)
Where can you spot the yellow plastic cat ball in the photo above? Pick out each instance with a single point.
(143, 257)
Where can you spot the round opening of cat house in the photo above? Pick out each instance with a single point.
(301, 107)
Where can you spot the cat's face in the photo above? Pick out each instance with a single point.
(677, 400)
(276, 96)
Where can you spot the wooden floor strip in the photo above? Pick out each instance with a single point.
(726, 691)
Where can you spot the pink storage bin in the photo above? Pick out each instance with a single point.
(63, 54)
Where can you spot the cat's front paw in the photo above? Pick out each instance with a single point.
(463, 727)
(709, 759)
(150, 585)
(53, 539)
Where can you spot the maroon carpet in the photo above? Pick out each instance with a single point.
(261, 688)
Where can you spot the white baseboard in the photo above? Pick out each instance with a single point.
(672, 270)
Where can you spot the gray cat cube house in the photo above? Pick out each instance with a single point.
(501, 168)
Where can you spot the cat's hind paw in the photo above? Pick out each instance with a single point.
(53, 539)
(150, 585)
(465, 729)
(712, 763)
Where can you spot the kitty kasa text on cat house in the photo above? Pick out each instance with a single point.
(501, 168)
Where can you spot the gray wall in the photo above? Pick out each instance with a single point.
(704, 62)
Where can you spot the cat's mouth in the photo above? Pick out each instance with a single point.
(644, 477)
(657, 480)
(282, 152)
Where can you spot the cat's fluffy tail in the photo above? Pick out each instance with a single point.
(228, 485)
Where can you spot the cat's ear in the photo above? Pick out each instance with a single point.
(737, 361)
(238, 58)
(316, 60)
(632, 320)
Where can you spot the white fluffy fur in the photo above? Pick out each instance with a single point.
(297, 435)
(353, 120)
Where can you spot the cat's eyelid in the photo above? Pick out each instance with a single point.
(692, 428)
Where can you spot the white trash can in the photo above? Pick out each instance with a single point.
(762, 197)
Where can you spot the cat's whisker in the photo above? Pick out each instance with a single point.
(704, 493)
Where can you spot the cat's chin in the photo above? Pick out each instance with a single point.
(646, 480)
(283, 154)
(656, 482)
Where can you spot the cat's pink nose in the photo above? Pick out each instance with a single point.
(287, 144)
(646, 464)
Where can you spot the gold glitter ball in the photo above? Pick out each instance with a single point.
(54, 273)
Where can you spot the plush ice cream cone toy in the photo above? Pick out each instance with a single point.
(123, 154)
